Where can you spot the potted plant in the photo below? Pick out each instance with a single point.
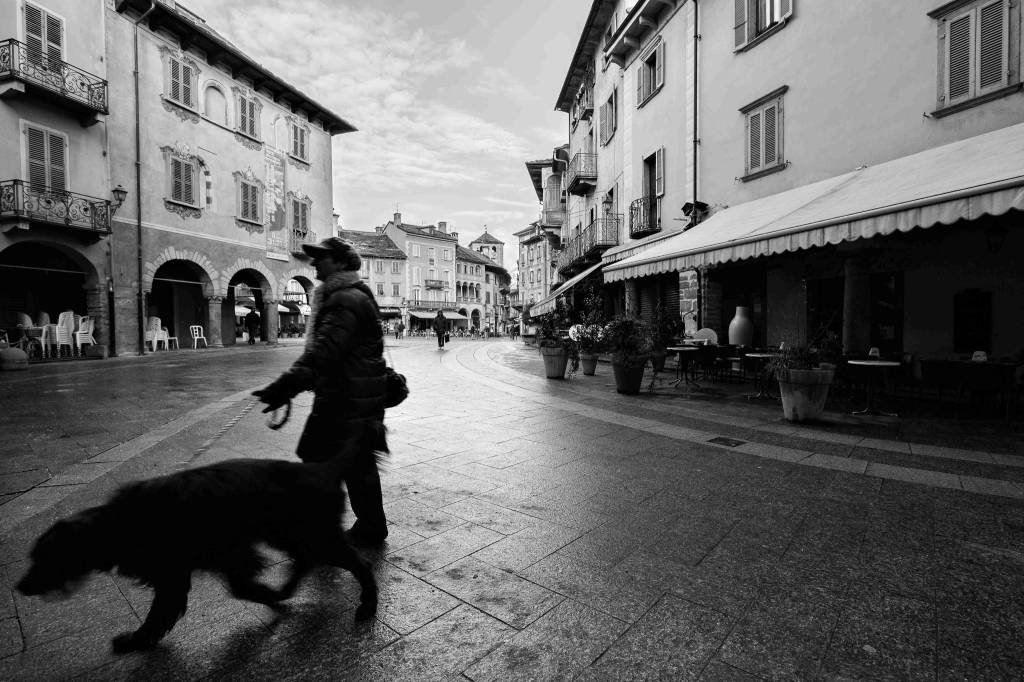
(803, 382)
(629, 342)
(554, 349)
(588, 339)
(665, 330)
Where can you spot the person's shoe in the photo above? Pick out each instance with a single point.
(359, 536)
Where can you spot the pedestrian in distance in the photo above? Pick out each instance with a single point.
(440, 329)
(343, 363)
(399, 328)
(252, 325)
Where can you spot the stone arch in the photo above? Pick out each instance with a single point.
(211, 281)
(306, 276)
(248, 264)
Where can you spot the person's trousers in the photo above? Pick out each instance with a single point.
(366, 498)
(440, 340)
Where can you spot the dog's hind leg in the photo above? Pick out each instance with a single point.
(343, 556)
(169, 604)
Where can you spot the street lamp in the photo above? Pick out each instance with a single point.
(120, 194)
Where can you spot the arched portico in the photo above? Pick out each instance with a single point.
(248, 288)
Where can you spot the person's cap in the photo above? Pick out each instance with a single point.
(342, 250)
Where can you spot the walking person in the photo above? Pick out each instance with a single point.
(252, 325)
(343, 364)
(399, 328)
(440, 328)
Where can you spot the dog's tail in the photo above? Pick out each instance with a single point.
(368, 440)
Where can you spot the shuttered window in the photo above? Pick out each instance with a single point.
(300, 217)
(248, 116)
(248, 201)
(45, 159)
(659, 172)
(976, 51)
(183, 181)
(44, 36)
(181, 82)
(300, 140)
(609, 117)
(650, 75)
(754, 18)
(764, 136)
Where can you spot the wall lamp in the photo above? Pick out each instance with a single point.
(120, 194)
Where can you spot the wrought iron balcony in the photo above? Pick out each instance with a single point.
(298, 238)
(20, 201)
(420, 303)
(586, 248)
(42, 74)
(643, 217)
(581, 175)
(552, 217)
(583, 105)
(433, 283)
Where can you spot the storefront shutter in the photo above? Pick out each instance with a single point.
(648, 299)
(670, 294)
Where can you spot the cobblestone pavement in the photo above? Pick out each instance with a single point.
(543, 530)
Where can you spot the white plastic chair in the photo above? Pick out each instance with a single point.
(707, 334)
(66, 332)
(84, 334)
(197, 335)
(156, 334)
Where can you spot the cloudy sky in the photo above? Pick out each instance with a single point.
(450, 97)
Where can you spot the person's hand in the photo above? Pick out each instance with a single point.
(273, 398)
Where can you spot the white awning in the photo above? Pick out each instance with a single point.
(241, 311)
(982, 175)
(547, 304)
(453, 316)
(422, 316)
(305, 309)
(284, 309)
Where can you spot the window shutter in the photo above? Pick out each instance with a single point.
(785, 9)
(175, 80)
(991, 40)
(659, 65)
(640, 71)
(187, 189)
(296, 221)
(177, 180)
(58, 164)
(295, 140)
(36, 145)
(253, 128)
(186, 85)
(740, 24)
(770, 140)
(958, 65)
(34, 33)
(659, 171)
(302, 143)
(54, 41)
(754, 138)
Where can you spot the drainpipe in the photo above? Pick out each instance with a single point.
(696, 141)
(138, 186)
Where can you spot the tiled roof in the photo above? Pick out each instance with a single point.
(423, 230)
(373, 245)
(462, 253)
(486, 238)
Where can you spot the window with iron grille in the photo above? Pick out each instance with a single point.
(248, 107)
(763, 134)
(45, 157)
(44, 38)
(249, 201)
(650, 73)
(977, 40)
(757, 19)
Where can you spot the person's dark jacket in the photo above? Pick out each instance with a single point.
(343, 364)
(440, 325)
(252, 320)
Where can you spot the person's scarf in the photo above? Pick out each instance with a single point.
(339, 280)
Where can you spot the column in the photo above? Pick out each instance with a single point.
(712, 310)
(271, 321)
(632, 298)
(213, 322)
(856, 306)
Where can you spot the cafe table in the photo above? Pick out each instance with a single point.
(877, 369)
(682, 366)
(761, 380)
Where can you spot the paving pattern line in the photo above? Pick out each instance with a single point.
(480, 358)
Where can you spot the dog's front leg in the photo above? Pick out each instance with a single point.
(169, 604)
(345, 557)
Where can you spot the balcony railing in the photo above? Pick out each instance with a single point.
(433, 283)
(298, 238)
(589, 244)
(581, 175)
(552, 217)
(37, 69)
(19, 199)
(431, 305)
(583, 105)
(643, 217)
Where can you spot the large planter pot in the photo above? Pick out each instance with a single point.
(629, 376)
(555, 362)
(804, 392)
(741, 328)
(588, 362)
(658, 360)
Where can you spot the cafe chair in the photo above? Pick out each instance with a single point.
(84, 334)
(707, 335)
(197, 335)
(156, 334)
(65, 332)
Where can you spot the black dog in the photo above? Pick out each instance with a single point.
(209, 518)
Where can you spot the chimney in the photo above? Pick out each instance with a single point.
(398, 219)
(442, 225)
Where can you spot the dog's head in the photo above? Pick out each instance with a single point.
(65, 554)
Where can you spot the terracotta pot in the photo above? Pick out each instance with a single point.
(628, 378)
(588, 361)
(804, 392)
(555, 361)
